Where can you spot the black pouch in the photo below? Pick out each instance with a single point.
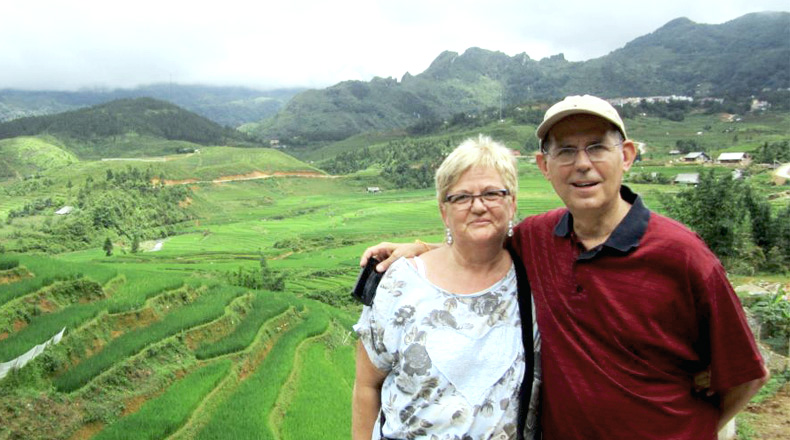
(365, 288)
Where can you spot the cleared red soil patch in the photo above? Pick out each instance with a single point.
(168, 182)
(248, 176)
(87, 431)
(133, 405)
(254, 360)
(11, 278)
(19, 325)
(47, 306)
(133, 320)
(302, 174)
(209, 333)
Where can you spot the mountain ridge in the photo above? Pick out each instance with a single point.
(228, 105)
(737, 58)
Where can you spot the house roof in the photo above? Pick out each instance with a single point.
(687, 178)
(732, 156)
(695, 155)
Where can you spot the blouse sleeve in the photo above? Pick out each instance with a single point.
(376, 326)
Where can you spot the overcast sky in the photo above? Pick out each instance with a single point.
(65, 45)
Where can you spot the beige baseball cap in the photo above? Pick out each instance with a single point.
(577, 104)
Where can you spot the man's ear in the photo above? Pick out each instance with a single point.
(540, 159)
(629, 154)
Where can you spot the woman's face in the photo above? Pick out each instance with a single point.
(481, 221)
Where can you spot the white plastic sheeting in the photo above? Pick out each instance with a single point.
(31, 354)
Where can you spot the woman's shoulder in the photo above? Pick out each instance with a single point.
(399, 269)
(398, 286)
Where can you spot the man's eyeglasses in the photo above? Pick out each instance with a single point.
(595, 152)
(492, 195)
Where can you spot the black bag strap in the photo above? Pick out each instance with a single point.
(525, 310)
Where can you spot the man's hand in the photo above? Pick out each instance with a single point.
(387, 252)
(702, 384)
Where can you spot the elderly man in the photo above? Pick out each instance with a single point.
(630, 304)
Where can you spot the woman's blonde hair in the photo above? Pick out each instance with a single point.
(483, 152)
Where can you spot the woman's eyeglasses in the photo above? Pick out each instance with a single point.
(492, 195)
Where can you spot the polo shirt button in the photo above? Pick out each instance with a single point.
(579, 288)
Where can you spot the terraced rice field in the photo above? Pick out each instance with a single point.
(161, 345)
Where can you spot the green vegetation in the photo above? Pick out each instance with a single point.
(162, 416)
(105, 124)
(723, 211)
(774, 313)
(206, 308)
(407, 164)
(125, 204)
(244, 414)
(773, 152)
(47, 271)
(264, 307)
(324, 372)
(26, 156)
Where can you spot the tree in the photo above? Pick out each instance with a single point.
(686, 146)
(270, 279)
(714, 209)
(735, 222)
(782, 233)
(773, 152)
(135, 244)
(108, 246)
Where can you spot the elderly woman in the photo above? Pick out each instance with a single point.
(441, 353)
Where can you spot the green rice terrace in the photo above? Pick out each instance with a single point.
(230, 320)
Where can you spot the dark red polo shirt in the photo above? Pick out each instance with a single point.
(626, 325)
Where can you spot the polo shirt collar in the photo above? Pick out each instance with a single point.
(625, 236)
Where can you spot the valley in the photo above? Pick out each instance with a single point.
(164, 275)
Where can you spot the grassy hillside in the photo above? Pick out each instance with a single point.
(25, 156)
(124, 199)
(126, 128)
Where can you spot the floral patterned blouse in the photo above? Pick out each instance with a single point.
(454, 362)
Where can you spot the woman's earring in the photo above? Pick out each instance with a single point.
(449, 235)
(510, 228)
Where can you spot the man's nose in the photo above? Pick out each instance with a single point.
(582, 160)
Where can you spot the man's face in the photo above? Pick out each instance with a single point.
(586, 187)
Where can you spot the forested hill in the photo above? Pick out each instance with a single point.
(739, 58)
(232, 106)
(140, 117)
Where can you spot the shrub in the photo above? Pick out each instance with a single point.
(8, 264)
